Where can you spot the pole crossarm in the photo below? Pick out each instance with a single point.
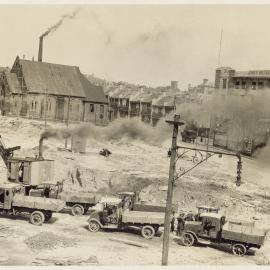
(199, 160)
(186, 171)
(209, 151)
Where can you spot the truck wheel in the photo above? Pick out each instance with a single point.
(77, 210)
(93, 226)
(37, 218)
(239, 249)
(188, 239)
(148, 232)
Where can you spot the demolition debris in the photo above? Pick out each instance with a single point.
(48, 240)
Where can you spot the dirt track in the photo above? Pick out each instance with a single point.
(100, 249)
(133, 165)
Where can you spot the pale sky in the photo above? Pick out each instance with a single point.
(141, 44)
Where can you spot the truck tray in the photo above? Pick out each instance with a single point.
(149, 208)
(79, 197)
(143, 217)
(245, 234)
(38, 203)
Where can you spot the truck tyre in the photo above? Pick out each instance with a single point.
(239, 249)
(77, 210)
(188, 239)
(148, 232)
(37, 218)
(93, 226)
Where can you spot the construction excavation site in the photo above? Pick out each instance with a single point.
(99, 172)
(80, 177)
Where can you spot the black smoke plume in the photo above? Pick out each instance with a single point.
(59, 23)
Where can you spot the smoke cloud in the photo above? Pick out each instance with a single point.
(106, 31)
(153, 36)
(59, 23)
(132, 129)
(240, 117)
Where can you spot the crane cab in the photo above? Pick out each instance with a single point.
(30, 171)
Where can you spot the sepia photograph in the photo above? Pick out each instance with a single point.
(134, 134)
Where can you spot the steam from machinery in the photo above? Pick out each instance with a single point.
(131, 129)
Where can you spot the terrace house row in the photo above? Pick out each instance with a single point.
(149, 104)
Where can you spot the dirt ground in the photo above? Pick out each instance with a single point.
(133, 165)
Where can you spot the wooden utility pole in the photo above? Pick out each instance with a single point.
(167, 222)
(220, 45)
(67, 120)
(45, 111)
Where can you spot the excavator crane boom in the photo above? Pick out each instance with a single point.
(7, 152)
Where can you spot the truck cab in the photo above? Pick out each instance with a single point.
(208, 227)
(129, 198)
(106, 214)
(7, 191)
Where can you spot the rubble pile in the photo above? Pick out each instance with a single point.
(48, 240)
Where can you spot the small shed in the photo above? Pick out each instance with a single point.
(78, 144)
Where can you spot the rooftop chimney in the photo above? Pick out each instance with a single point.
(174, 85)
(40, 50)
(205, 81)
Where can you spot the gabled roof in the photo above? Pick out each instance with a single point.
(54, 78)
(93, 92)
(58, 80)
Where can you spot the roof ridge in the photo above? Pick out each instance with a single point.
(47, 63)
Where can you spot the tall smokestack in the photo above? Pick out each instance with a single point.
(40, 50)
(40, 149)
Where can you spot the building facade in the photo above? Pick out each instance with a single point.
(228, 78)
(148, 104)
(39, 90)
